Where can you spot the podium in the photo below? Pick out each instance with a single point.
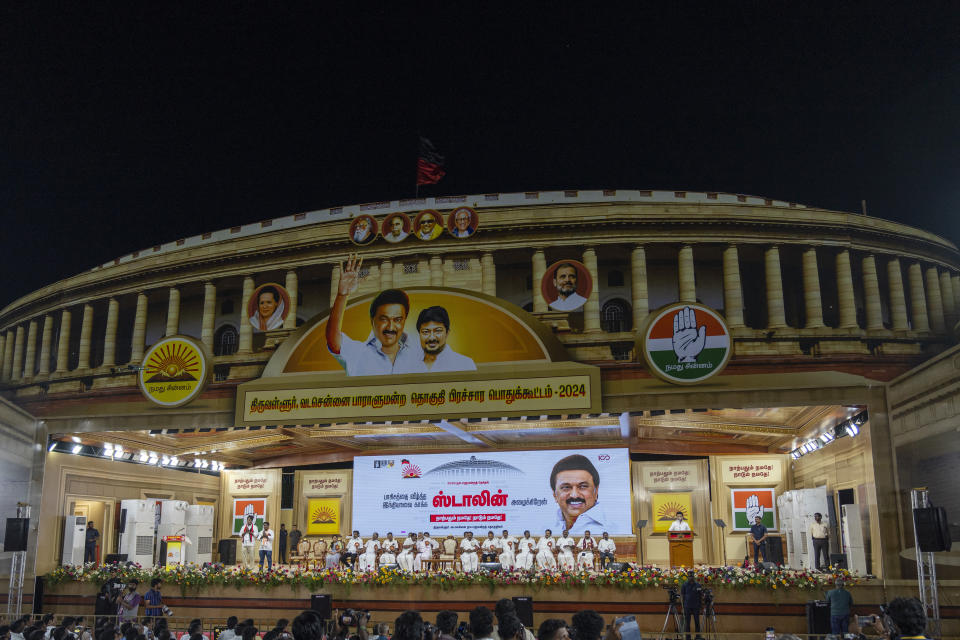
(171, 550)
(681, 548)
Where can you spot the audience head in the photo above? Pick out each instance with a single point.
(553, 629)
(249, 632)
(504, 607)
(587, 625)
(232, 622)
(908, 615)
(407, 626)
(308, 626)
(510, 628)
(481, 621)
(447, 622)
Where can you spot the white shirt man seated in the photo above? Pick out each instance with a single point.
(545, 549)
(468, 553)
(408, 549)
(585, 558)
(368, 559)
(389, 548)
(489, 548)
(526, 551)
(425, 547)
(565, 558)
(607, 549)
(508, 551)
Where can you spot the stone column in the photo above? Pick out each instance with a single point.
(436, 271)
(949, 303)
(846, 301)
(918, 299)
(31, 350)
(638, 286)
(591, 309)
(488, 270)
(246, 329)
(871, 293)
(63, 346)
(386, 275)
(173, 312)
(45, 339)
(732, 289)
(138, 340)
(209, 319)
(86, 330)
(7, 355)
(539, 268)
(934, 301)
(955, 278)
(898, 303)
(110, 334)
(811, 289)
(334, 283)
(17, 371)
(776, 317)
(3, 355)
(291, 283)
(685, 274)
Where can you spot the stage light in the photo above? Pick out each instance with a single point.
(204, 464)
(196, 462)
(53, 445)
(795, 454)
(77, 449)
(75, 439)
(107, 450)
(117, 452)
(826, 437)
(852, 429)
(153, 459)
(143, 456)
(164, 460)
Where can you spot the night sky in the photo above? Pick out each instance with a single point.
(123, 126)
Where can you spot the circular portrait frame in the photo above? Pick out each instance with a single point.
(275, 321)
(437, 228)
(574, 301)
(372, 227)
(471, 228)
(386, 228)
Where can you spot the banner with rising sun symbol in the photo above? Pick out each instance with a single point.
(175, 370)
(665, 506)
(323, 516)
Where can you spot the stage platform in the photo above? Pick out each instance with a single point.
(739, 610)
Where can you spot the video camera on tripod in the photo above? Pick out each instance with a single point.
(674, 593)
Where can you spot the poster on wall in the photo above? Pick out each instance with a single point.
(480, 492)
(748, 504)
(665, 506)
(566, 285)
(268, 307)
(243, 507)
(323, 516)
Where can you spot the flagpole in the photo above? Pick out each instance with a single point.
(416, 172)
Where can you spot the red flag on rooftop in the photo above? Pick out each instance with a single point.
(429, 164)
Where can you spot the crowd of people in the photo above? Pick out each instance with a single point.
(901, 619)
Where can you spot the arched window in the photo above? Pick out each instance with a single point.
(225, 341)
(615, 316)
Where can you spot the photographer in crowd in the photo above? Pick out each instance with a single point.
(902, 619)
(692, 594)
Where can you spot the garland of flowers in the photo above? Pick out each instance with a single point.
(193, 578)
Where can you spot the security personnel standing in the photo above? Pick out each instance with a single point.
(90, 544)
(691, 592)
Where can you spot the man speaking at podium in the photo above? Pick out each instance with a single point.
(679, 524)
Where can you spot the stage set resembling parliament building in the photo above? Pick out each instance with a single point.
(496, 364)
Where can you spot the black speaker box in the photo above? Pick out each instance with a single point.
(489, 567)
(16, 535)
(321, 603)
(227, 550)
(115, 558)
(524, 606)
(38, 594)
(839, 560)
(933, 531)
(818, 616)
(775, 549)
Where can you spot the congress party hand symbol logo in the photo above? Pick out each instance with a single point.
(754, 509)
(688, 339)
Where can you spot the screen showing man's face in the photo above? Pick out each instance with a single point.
(575, 492)
(396, 226)
(462, 221)
(267, 304)
(388, 323)
(433, 337)
(565, 280)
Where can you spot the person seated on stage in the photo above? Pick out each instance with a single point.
(545, 549)
(407, 550)
(508, 551)
(489, 548)
(368, 559)
(553, 629)
(354, 548)
(585, 558)
(679, 524)
(607, 549)
(425, 548)
(481, 624)
(468, 553)
(587, 624)
(526, 551)
(389, 548)
(565, 547)
(332, 560)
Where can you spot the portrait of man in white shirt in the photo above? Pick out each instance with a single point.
(565, 281)
(679, 524)
(433, 328)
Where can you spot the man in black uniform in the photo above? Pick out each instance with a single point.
(90, 544)
(691, 593)
(283, 543)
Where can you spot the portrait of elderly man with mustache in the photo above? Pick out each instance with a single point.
(575, 483)
(386, 349)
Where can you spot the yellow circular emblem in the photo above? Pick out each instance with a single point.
(175, 370)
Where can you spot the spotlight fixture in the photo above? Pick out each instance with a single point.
(75, 439)
(143, 456)
(77, 449)
(852, 428)
(53, 445)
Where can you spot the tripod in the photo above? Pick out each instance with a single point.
(710, 619)
(672, 611)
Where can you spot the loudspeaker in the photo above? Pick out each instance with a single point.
(933, 531)
(839, 560)
(489, 567)
(16, 535)
(524, 605)
(115, 558)
(818, 616)
(775, 549)
(227, 551)
(38, 594)
(321, 603)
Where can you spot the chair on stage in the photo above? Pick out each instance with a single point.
(302, 553)
(320, 553)
(447, 556)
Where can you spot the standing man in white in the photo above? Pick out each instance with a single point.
(266, 546)
(545, 549)
(468, 553)
(248, 543)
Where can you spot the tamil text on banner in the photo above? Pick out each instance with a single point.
(492, 491)
(748, 504)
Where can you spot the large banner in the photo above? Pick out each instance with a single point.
(452, 493)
